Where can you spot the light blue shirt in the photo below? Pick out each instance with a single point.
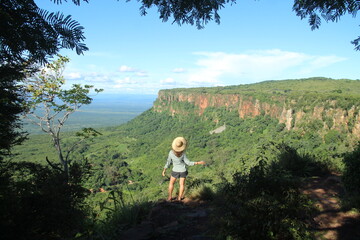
(179, 163)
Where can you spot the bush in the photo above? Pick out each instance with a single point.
(299, 166)
(351, 176)
(120, 216)
(203, 192)
(264, 204)
(38, 203)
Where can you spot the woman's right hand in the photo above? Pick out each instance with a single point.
(201, 162)
(163, 173)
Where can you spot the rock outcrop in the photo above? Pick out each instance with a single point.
(294, 112)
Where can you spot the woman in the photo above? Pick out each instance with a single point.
(179, 160)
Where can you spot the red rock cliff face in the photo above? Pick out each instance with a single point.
(276, 107)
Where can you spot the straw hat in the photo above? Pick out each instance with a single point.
(179, 144)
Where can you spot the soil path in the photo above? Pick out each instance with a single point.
(331, 221)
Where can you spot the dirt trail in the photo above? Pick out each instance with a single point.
(331, 221)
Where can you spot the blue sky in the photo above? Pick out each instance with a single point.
(255, 41)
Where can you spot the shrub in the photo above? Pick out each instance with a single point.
(203, 192)
(120, 216)
(351, 176)
(264, 204)
(37, 202)
(298, 166)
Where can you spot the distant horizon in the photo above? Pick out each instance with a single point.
(104, 111)
(150, 94)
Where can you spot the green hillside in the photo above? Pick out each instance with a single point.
(287, 87)
(144, 142)
(128, 159)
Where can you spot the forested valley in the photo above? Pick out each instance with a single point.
(275, 135)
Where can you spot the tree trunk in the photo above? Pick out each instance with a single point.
(63, 161)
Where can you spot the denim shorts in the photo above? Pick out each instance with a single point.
(179, 174)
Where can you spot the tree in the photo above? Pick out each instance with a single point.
(10, 107)
(201, 12)
(328, 10)
(29, 36)
(48, 105)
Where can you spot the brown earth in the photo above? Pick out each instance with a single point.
(331, 221)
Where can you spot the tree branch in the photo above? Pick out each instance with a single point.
(52, 165)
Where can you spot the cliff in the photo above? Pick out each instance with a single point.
(335, 107)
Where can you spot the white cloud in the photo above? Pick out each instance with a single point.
(168, 81)
(211, 69)
(125, 68)
(94, 77)
(179, 70)
(126, 80)
(218, 68)
(72, 75)
(321, 62)
(142, 74)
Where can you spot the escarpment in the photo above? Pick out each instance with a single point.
(325, 107)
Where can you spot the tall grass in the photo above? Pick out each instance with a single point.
(120, 216)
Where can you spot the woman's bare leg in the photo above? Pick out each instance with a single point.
(182, 188)
(171, 187)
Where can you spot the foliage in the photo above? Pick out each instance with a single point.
(37, 203)
(29, 36)
(76, 2)
(10, 108)
(329, 10)
(120, 216)
(49, 105)
(135, 151)
(204, 192)
(351, 176)
(299, 165)
(200, 13)
(313, 88)
(187, 12)
(257, 158)
(263, 204)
